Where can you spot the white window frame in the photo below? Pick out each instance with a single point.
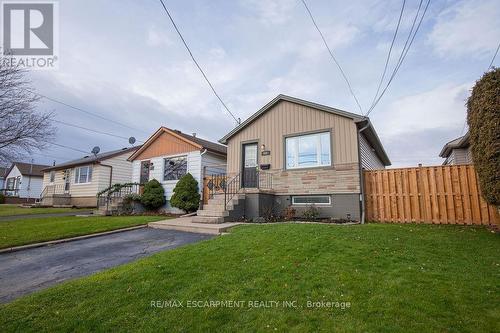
(90, 172)
(169, 158)
(312, 196)
(318, 150)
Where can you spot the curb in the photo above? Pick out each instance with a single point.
(66, 240)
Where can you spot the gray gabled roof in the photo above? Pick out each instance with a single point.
(460, 142)
(361, 121)
(28, 169)
(91, 159)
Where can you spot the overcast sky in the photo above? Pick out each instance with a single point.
(123, 60)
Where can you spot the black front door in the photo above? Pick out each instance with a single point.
(144, 172)
(249, 172)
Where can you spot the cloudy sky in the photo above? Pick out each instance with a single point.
(123, 60)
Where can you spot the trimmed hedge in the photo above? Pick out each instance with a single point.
(483, 117)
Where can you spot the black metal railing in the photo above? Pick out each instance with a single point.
(232, 188)
(265, 180)
(115, 194)
(10, 192)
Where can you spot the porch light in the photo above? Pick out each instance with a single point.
(263, 147)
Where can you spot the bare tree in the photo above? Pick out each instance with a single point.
(22, 128)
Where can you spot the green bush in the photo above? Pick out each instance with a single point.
(154, 195)
(311, 212)
(2, 198)
(483, 117)
(186, 194)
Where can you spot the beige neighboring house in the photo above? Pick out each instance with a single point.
(457, 151)
(296, 153)
(78, 182)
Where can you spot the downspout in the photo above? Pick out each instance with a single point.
(361, 182)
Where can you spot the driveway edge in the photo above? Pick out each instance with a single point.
(65, 240)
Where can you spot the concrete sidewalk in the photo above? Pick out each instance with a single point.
(186, 224)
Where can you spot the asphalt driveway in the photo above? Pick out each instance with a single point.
(26, 271)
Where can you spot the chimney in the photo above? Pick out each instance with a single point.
(194, 134)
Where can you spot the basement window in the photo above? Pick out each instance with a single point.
(318, 200)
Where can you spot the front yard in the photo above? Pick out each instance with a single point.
(34, 230)
(395, 278)
(11, 210)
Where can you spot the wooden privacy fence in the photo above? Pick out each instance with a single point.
(437, 194)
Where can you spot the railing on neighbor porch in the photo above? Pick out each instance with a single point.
(115, 194)
(53, 189)
(10, 192)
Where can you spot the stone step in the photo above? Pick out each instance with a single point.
(184, 224)
(214, 213)
(217, 207)
(208, 219)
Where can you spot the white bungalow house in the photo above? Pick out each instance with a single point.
(24, 182)
(169, 154)
(78, 182)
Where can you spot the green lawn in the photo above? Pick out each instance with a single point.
(397, 278)
(10, 210)
(27, 231)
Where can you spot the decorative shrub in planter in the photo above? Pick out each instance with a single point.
(186, 194)
(154, 195)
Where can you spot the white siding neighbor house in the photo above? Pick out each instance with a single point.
(457, 151)
(78, 182)
(24, 181)
(169, 154)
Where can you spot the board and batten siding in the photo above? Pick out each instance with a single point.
(369, 159)
(287, 118)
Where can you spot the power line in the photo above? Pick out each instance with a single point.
(68, 147)
(91, 130)
(494, 56)
(390, 51)
(81, 110)
(332, 56)
(404, 52)
(196, 63)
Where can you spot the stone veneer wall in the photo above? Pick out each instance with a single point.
(328, 180)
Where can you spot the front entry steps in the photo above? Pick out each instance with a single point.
(186, 224)
(213, 212)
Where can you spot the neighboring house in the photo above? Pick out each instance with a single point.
(169, 154)
(78, 182)
(24, 181)
(296, 153)
(457, 151)
(3, 173)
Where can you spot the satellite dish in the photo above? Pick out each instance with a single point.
(131, 140)
(96, 150)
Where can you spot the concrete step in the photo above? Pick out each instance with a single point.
(214, 213)
(208, 219)
(185, 224)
